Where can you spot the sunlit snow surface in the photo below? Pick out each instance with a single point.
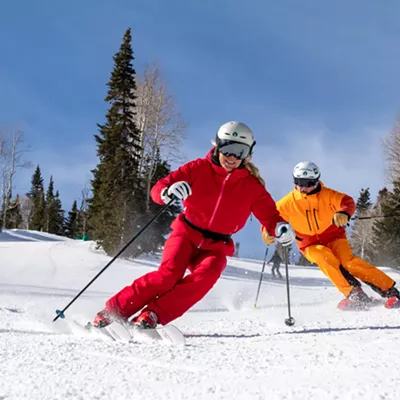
(233, 350)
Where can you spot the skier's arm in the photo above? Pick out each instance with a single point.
(283, 231)
(184, 173)
(283, 206)
(343, 204)
(265, 210)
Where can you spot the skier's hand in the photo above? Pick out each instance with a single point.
(179, 190)
(266, 237)
(341, 219)
(285, 234)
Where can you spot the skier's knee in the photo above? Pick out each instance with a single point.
(169, 280)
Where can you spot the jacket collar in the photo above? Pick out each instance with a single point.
(298, 196)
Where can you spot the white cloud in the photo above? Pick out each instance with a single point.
(347, 163)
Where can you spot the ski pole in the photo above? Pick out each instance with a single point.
(60, 313)
(377, 216)
(289, 321)
(261, 276)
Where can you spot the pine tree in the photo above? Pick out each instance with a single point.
(71, 223)
(36, 196)
(57, 225)
(364, 202)
(50, 212)
(362, 233)
(37, 184)
(81, 223)
(153, 238)
(387, 231)
(116, 185)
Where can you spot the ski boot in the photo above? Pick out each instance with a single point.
(356, 300)
(102, 319)
(393, 296)
(146, 320)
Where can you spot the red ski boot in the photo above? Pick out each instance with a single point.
(393, 296)
(392, 302)
(102, 319)
(146, 320)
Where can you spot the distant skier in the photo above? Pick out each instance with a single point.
(319, 216)
(276, 263)
(219, 192)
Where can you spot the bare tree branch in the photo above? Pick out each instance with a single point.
(83, 207)
(362, 236)
(12, 160)
(391, 149)
(161, 126)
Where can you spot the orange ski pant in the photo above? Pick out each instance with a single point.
(338, 253)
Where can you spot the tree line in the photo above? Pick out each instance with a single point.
(141, 135)
(378, 239)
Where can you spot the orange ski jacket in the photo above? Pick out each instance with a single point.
(311, 215)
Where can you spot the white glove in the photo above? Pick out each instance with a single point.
(179, 190)
(285, 234)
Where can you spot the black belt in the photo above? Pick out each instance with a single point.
(209, 234)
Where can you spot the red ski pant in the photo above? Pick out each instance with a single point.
(167, 291)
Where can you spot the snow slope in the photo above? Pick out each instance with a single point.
(233, 350)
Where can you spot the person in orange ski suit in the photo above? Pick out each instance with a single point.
(319, 216)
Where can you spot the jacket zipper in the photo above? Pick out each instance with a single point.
(315, 217)
(215, 208)
(218, 201)
(308, 220)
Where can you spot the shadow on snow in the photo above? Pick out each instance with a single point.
(345, 329)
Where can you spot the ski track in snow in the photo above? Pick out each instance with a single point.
(232, 351)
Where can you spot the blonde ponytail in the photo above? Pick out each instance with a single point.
(254, 171)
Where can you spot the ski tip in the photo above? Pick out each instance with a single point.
(60, 314)
(392, 302)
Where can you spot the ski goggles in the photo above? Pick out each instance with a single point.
(305, 182)
(238, 150)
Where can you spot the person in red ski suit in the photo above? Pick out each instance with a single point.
(219, 192)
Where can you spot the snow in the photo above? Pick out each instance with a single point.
(233, 350)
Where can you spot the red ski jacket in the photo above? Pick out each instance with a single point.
(220, 201)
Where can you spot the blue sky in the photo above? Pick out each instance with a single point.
(313, 79)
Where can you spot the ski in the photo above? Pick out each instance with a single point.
(348, 305)
(116, 331)
(169, 334)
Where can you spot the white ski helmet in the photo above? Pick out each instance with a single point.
(306, 173)
(235, 138)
